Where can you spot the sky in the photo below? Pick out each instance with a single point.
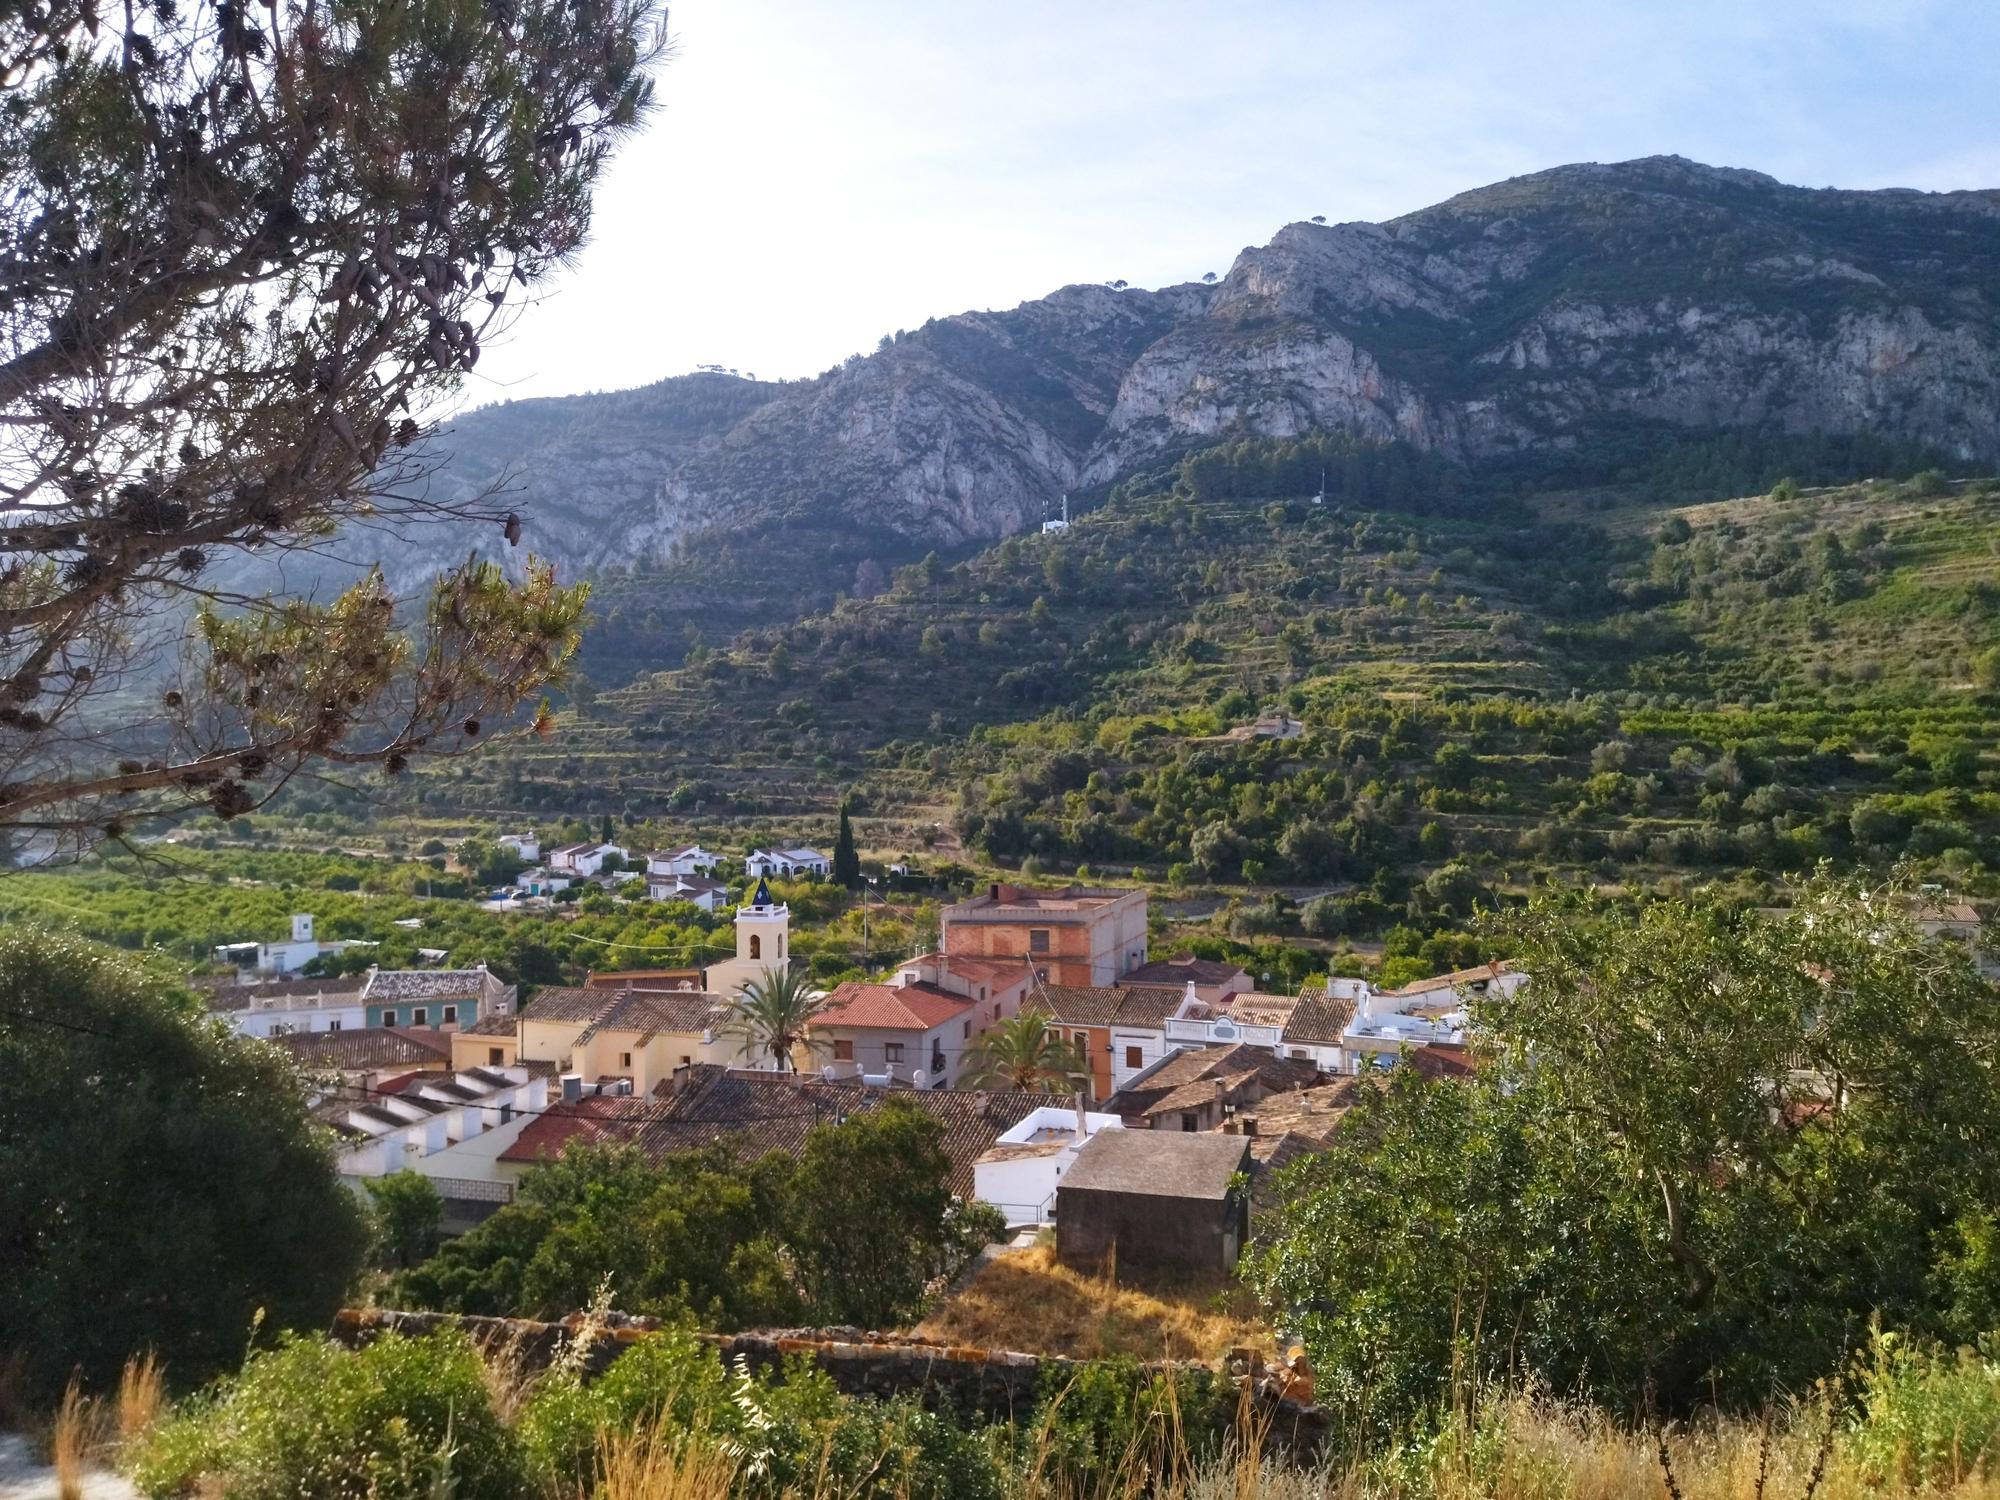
(820, 174)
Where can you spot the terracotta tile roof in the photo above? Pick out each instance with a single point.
(492, 1026)
(967, 966)
(681, 1012)
(1146, 1007)
(1457, 979)
(890, 1007)
(1187, 1079)
(567, 1003)
(1270, 1155)
(1183, 968)
(1435, 1061)
(372, 1047)
(1318, 1019)
(1314, 1113)
(752, 1114)
(593, 1117)
(231, 996)
(1143, 1007)
(1077, 1005)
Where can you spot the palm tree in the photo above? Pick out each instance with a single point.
(1020, 1053)
(774, 1014)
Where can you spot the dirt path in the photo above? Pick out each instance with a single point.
(22, 1477)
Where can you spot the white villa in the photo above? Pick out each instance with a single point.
(791, 862)
(690, 859)
(585, 859)
(1020, 1171)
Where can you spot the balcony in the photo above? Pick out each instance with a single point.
(1222, 1031)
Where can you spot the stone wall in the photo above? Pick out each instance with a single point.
(973, 1385)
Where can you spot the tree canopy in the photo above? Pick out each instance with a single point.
(163, 1185)
(1708, 1146)
(249, 251)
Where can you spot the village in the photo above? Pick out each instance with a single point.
(1149, 1096)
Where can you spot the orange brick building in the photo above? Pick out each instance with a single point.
(1074, 936)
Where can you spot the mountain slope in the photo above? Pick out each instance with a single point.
(1540, 316)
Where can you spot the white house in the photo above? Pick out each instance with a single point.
(699, 889)
(388, 1132)
(525, 847)
(280, 958)
(541, 881)
(583, 860)
(763, 863)
(690, 859)
(1020, 1171)
(285, 1007)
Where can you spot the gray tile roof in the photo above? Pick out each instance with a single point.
(428, 984)
(1158, 1163)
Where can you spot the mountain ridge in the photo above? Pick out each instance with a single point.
(1527, 316)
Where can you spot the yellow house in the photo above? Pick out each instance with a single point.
(640, 1035)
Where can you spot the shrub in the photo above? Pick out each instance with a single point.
(310, 1419)
(669, 1378)
(1928, 1419)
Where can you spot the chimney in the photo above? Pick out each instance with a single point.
(1249, 1124)
(1082, 1120)
(572, 1087)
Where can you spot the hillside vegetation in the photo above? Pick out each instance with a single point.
(1592, 680)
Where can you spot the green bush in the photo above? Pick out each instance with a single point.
(669, 1376)
(1928, 1419)
(310, 1419)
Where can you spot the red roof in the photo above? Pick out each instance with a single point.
(891, 1007)
(1441, 1060)
(966, 966)
(590, 1118)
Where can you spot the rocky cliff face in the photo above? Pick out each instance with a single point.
(1525, 315)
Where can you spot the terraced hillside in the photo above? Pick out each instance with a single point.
(1588, 680)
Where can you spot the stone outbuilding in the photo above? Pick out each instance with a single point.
(1155, 1200)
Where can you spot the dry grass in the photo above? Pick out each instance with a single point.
(73, 1437)
(657, 1463)
(141, 1395)
(1024, 1300)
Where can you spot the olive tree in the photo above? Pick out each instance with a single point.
(246, 254)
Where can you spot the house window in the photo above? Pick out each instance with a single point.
(1082, 1040)
(495, 1056)
(388, 1018)
(1038, 940)
(685, 1060)
(1300, 1053)
(421, 1016)
(451, 1015)
(843, 1052)
(1135, 1057)
(756, 946)
(506, 1114)
(624, 1059)
(968, 1031)
(1190, 1122)
(893, 1051)
(333, 1023)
